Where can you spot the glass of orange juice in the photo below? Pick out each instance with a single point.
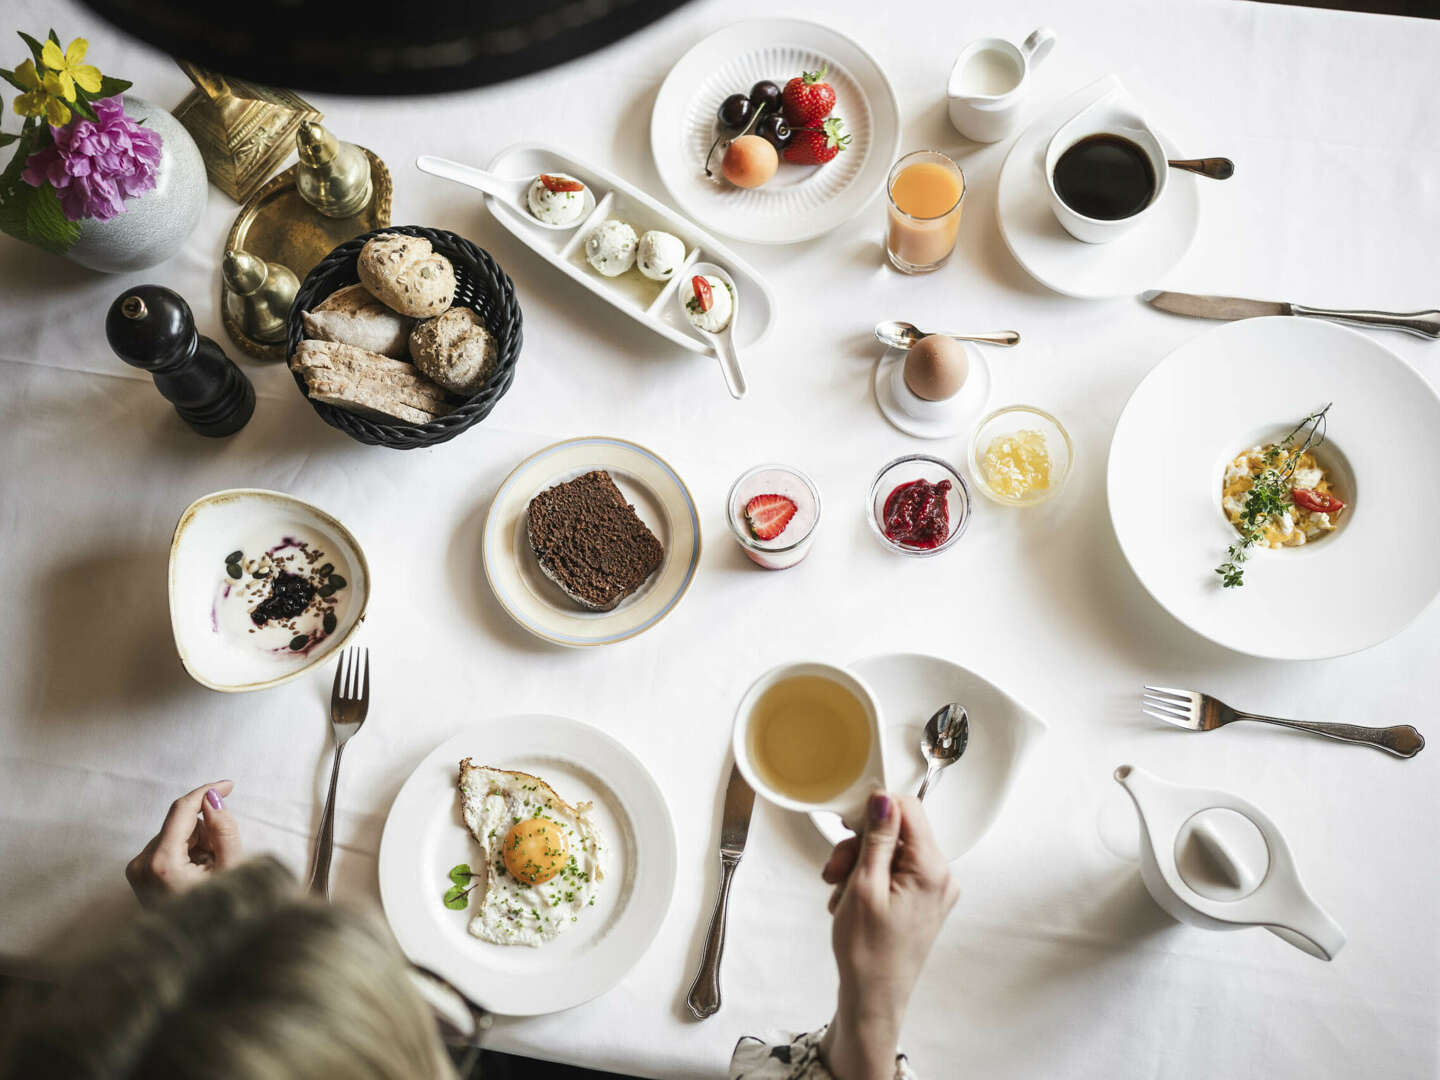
(927, 191)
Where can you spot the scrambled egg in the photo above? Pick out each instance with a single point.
(1297, 525)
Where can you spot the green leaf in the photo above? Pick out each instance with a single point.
(35, 48)
(81, 107)
(34, 215)
(6, 138)
(461, 874)
(56, 38)
(110, 86)
(456, 898)
(9, 76)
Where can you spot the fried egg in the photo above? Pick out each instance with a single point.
(541, 856)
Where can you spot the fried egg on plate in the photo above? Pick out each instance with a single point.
(541, 855)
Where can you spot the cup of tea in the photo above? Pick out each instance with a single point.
(990, 81)
(808, 736)
(1105, 171)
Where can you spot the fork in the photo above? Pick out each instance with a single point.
(349, 702)
(1201, 712)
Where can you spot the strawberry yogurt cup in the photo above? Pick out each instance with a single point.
(773, 511)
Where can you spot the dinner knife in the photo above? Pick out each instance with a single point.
(704, 996)
(1424, 324)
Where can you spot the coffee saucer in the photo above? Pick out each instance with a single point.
(931, 419)
(1129, 264)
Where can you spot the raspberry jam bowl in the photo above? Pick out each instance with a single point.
(773, 512)
(919, 506)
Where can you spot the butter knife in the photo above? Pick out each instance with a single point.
(1424, 324)
(704, 996)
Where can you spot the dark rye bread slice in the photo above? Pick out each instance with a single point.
(590, 542)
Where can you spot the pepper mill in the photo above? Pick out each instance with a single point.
(332, 176)
(258, 295)
(150, 327)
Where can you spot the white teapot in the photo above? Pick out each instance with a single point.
(1213, 860)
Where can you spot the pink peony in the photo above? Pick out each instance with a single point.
(95, 166)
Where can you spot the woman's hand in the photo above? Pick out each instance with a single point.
(199, 836)
(892, 892)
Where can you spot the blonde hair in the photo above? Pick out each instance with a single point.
(237, 980)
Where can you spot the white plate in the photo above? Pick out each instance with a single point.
(1251, 381)
(1129, 264)
(212, 648)
(425, 836)
(647, 302)
(800, 202)
(659, 497)
(964, 803)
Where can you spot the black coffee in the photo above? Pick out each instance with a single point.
(1106, 177)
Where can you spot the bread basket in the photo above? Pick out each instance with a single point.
(480, 284)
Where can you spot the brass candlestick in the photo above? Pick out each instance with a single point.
(332, 176)
(244, 130)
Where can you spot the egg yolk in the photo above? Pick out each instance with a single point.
(535, 850)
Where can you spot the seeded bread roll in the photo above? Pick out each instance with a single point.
(368, 383)
(455, 350)
(406, 274)
(352, 316)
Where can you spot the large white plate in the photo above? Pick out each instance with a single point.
(964, 802)
(425, 836)
(660, 498)
(649, 303)
(1129, 264)
(1247, 382)
(799, 203)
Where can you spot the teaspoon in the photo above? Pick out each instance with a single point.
(901, 335)
(947, 733)
(510, 190)
(1216, 168)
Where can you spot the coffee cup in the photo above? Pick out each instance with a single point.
(990, 81)
(808, 736)
(1105, 170)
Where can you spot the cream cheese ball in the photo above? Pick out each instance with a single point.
(556, 199)
(659, 255)
(610, 249)
(722, 304)
(936, 367)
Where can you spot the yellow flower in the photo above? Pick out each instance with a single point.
(42, 97)
(69, 69)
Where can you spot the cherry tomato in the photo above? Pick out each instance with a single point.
(703, 296)
(1317, 502)
(560, 183)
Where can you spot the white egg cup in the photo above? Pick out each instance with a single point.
(925, 419)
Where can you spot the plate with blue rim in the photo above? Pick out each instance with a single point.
(659, 497)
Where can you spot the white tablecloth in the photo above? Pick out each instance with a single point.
(1055, 962)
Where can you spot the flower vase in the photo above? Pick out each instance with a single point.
(154, 225)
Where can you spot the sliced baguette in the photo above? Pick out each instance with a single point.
(368, 383)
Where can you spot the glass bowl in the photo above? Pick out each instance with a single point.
(793, 544)
(904, 470)
(1008, 421)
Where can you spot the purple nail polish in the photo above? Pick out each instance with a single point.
(213, 798)
(879, 807)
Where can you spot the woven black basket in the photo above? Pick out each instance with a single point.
(480, 285)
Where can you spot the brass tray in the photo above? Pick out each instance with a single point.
(277, 225)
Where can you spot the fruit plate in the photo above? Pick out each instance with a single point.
(801, 202)
(965, 801)
(425, 836)
(1249, 382)
(660, 499)
(649, 303)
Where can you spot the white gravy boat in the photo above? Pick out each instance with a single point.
(1213, 860)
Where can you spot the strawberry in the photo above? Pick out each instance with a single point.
(806, 100)
(816, 146)
(767, 515)
(560, 183)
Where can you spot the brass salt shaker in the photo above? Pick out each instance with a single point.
(258, 295)
(332, 176)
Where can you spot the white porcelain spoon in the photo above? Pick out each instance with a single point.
(724, 342)
(508, 190)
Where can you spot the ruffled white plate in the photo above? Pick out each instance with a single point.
(800, 202)
(425, 836)
(1131, 263)
(966, 800)
(659, 497)
(1251, 381)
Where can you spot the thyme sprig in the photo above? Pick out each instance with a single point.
(1269, 494)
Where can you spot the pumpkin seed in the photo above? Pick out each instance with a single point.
(325, 590)
(337, 582)
(326, 570)
(233, 569)
(234, 556)
(329, 622)
(299, 641)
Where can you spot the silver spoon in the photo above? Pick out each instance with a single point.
(901, 335)
(510, 190)
(947, 733)
(1216, 168)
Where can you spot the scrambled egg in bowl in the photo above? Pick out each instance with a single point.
(1314, 508)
